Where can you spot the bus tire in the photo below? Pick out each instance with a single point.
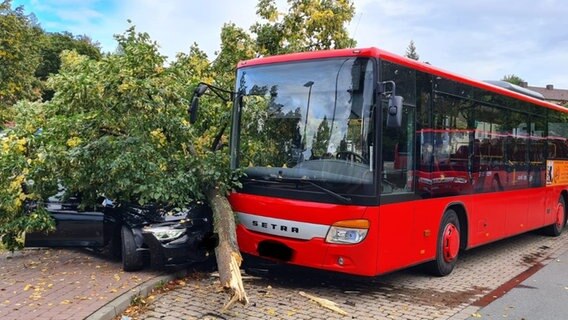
(131, 258)
(555, 229)
(447, 246)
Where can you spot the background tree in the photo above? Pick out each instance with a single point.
(514, 79)
(411, 51)
(28, 56)
(53, 44)
(308, 25)
(19, 57)
(321, 138)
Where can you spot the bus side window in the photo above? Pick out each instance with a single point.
(398, 155)
(398, 144)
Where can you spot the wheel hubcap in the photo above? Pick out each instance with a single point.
(451, 244)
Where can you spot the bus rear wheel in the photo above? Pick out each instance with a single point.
(448, 245)
(556, 228)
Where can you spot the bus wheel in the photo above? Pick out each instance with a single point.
(448, 245)
(556, 228)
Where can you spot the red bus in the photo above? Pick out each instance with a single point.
(363, 162)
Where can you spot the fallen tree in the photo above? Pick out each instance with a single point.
(227, 252)
(118, 127)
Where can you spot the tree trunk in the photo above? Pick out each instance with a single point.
(227, 252)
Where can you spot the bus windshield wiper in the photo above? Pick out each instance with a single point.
(273, 179)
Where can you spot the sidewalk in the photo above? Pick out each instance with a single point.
(408, 294)
(62, 283)
(542, 296)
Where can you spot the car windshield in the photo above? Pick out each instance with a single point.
(307, 120)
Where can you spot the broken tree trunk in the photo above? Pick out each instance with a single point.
(227, 252)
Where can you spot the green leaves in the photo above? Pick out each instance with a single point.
(19, 57)
(411, 52)
(13, 231)
(115, 127)
(116, 124)
(28, 56)
(514, 79)
(308, 25)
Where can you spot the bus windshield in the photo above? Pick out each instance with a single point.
(307, 121)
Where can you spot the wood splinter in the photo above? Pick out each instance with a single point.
(324, 303)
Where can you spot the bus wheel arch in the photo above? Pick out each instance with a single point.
(564, 195)
(464, 225)
(560, 212)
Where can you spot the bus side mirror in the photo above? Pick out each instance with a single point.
(394, 112)
(199, 91)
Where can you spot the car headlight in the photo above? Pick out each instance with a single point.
(348, 232)
(165, 233)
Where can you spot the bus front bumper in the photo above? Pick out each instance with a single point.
(356, 259)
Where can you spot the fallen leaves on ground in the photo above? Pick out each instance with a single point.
(139, 305)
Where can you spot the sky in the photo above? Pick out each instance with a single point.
(482, 39)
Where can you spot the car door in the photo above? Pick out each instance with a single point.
(74, 228)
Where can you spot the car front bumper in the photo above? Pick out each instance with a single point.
(195, 244)
(187, 249)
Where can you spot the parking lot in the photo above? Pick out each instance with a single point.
(75, 284)
(482, 275)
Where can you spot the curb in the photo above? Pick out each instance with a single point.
(122, 302)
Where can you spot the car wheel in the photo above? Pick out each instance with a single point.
(131, 258)
(448, 245)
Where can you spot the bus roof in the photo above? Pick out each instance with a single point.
(388, 56)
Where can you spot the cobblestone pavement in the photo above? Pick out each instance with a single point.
(408, 294)
(60, 284)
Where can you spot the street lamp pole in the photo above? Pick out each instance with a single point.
(335, 100)
(309, 85)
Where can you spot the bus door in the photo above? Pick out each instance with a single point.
(503, 167)
(488, 214)
(516, 160)
(397, 211)
(537, 172)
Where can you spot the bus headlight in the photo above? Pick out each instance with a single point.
(348, 232)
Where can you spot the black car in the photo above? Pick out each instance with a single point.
(168, 236)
